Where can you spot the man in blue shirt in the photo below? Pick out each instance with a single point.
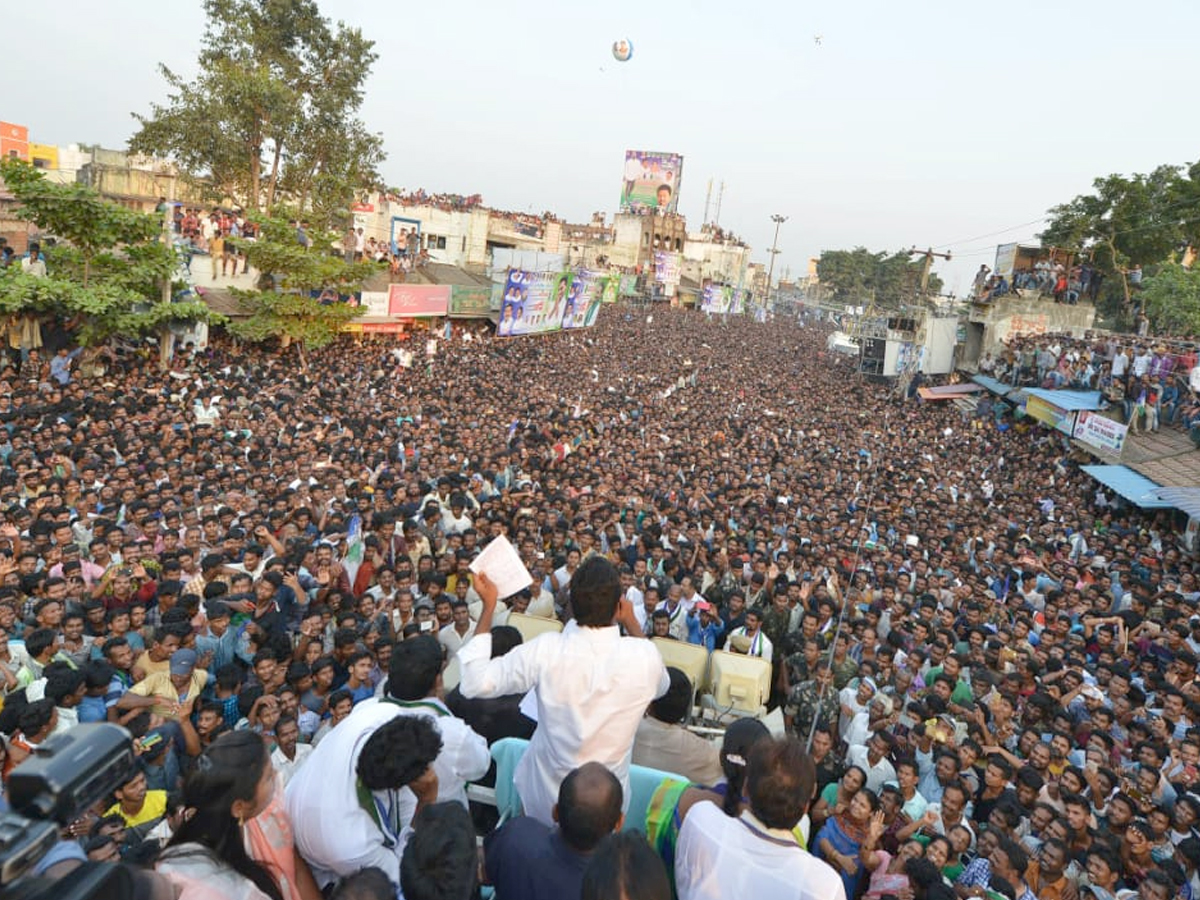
(704, 626)
(528, 860)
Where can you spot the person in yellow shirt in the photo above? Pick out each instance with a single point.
(164, 693)
(137, 805)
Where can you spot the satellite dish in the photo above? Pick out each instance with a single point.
(622, 50)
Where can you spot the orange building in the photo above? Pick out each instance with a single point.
(14, 141)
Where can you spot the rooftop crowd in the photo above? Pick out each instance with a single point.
(985, 668)
(1148, 382)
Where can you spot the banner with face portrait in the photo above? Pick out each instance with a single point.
(584, 300)
(651, 182)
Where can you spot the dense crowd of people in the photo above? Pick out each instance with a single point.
(1148, 382)
(984, 670)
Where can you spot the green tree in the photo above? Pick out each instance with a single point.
(1125, 221)
(283, 306)
(108, 268)
(859, 275)
(1171, 299)
(273, 110)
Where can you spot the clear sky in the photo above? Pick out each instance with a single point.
(930, 122)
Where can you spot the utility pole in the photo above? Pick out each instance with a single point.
(720, 197)
(707, 201)
(927, 265)
(778, 220)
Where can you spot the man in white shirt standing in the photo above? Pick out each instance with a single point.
(591, 684)
(289, 754)
(460, 630)
(756, 854)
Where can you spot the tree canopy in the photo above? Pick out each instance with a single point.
(108, 265)
(1171, 299)
(1128, 221)
(274, 112)
(858, 275)
(283, 306)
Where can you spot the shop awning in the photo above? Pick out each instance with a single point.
(1185, 498)
(1137, 489)
(1069, 401)
(992, 384)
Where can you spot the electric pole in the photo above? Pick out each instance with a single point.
(778, 220)
(927, 265)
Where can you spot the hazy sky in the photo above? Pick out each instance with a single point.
(931, 122)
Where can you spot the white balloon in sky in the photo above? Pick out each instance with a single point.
(622, 50)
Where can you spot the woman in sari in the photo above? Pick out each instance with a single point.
(841, 838)
(837, 795)
(887, 871)
(674, 797)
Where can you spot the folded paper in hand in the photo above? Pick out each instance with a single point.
(501, 563)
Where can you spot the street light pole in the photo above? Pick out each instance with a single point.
(778, 220)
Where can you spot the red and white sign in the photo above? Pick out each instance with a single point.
(418, 300)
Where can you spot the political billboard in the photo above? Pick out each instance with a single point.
(666, 267)
(651, 182)
(533, 302)
(610, 289)
(716, 298)
(583, 300)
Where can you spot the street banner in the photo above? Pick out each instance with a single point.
(1100, 431)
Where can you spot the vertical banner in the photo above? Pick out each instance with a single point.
(583, 300)
(610, 290)
(666, 267)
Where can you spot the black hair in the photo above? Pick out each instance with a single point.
(594, 592)
(38, 640)
(440, 860)
(366, 884)
(230, 769)
(624, 865)
(62, 683)
(740, 737)
(674, 706)
(414, 668)
(504, 638)
(589, 806)
(780, 778)
(398, 753)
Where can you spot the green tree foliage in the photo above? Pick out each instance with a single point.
(1128, 221)
(858, 275)
(107, 268)
(283, 306)
(273, 111)
(1171, 299)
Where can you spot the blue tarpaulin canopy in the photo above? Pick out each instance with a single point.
(1185, 498)
(1067, 400)
(1137, 489)
(993, 385)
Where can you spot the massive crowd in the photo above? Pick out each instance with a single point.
(261, 567)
